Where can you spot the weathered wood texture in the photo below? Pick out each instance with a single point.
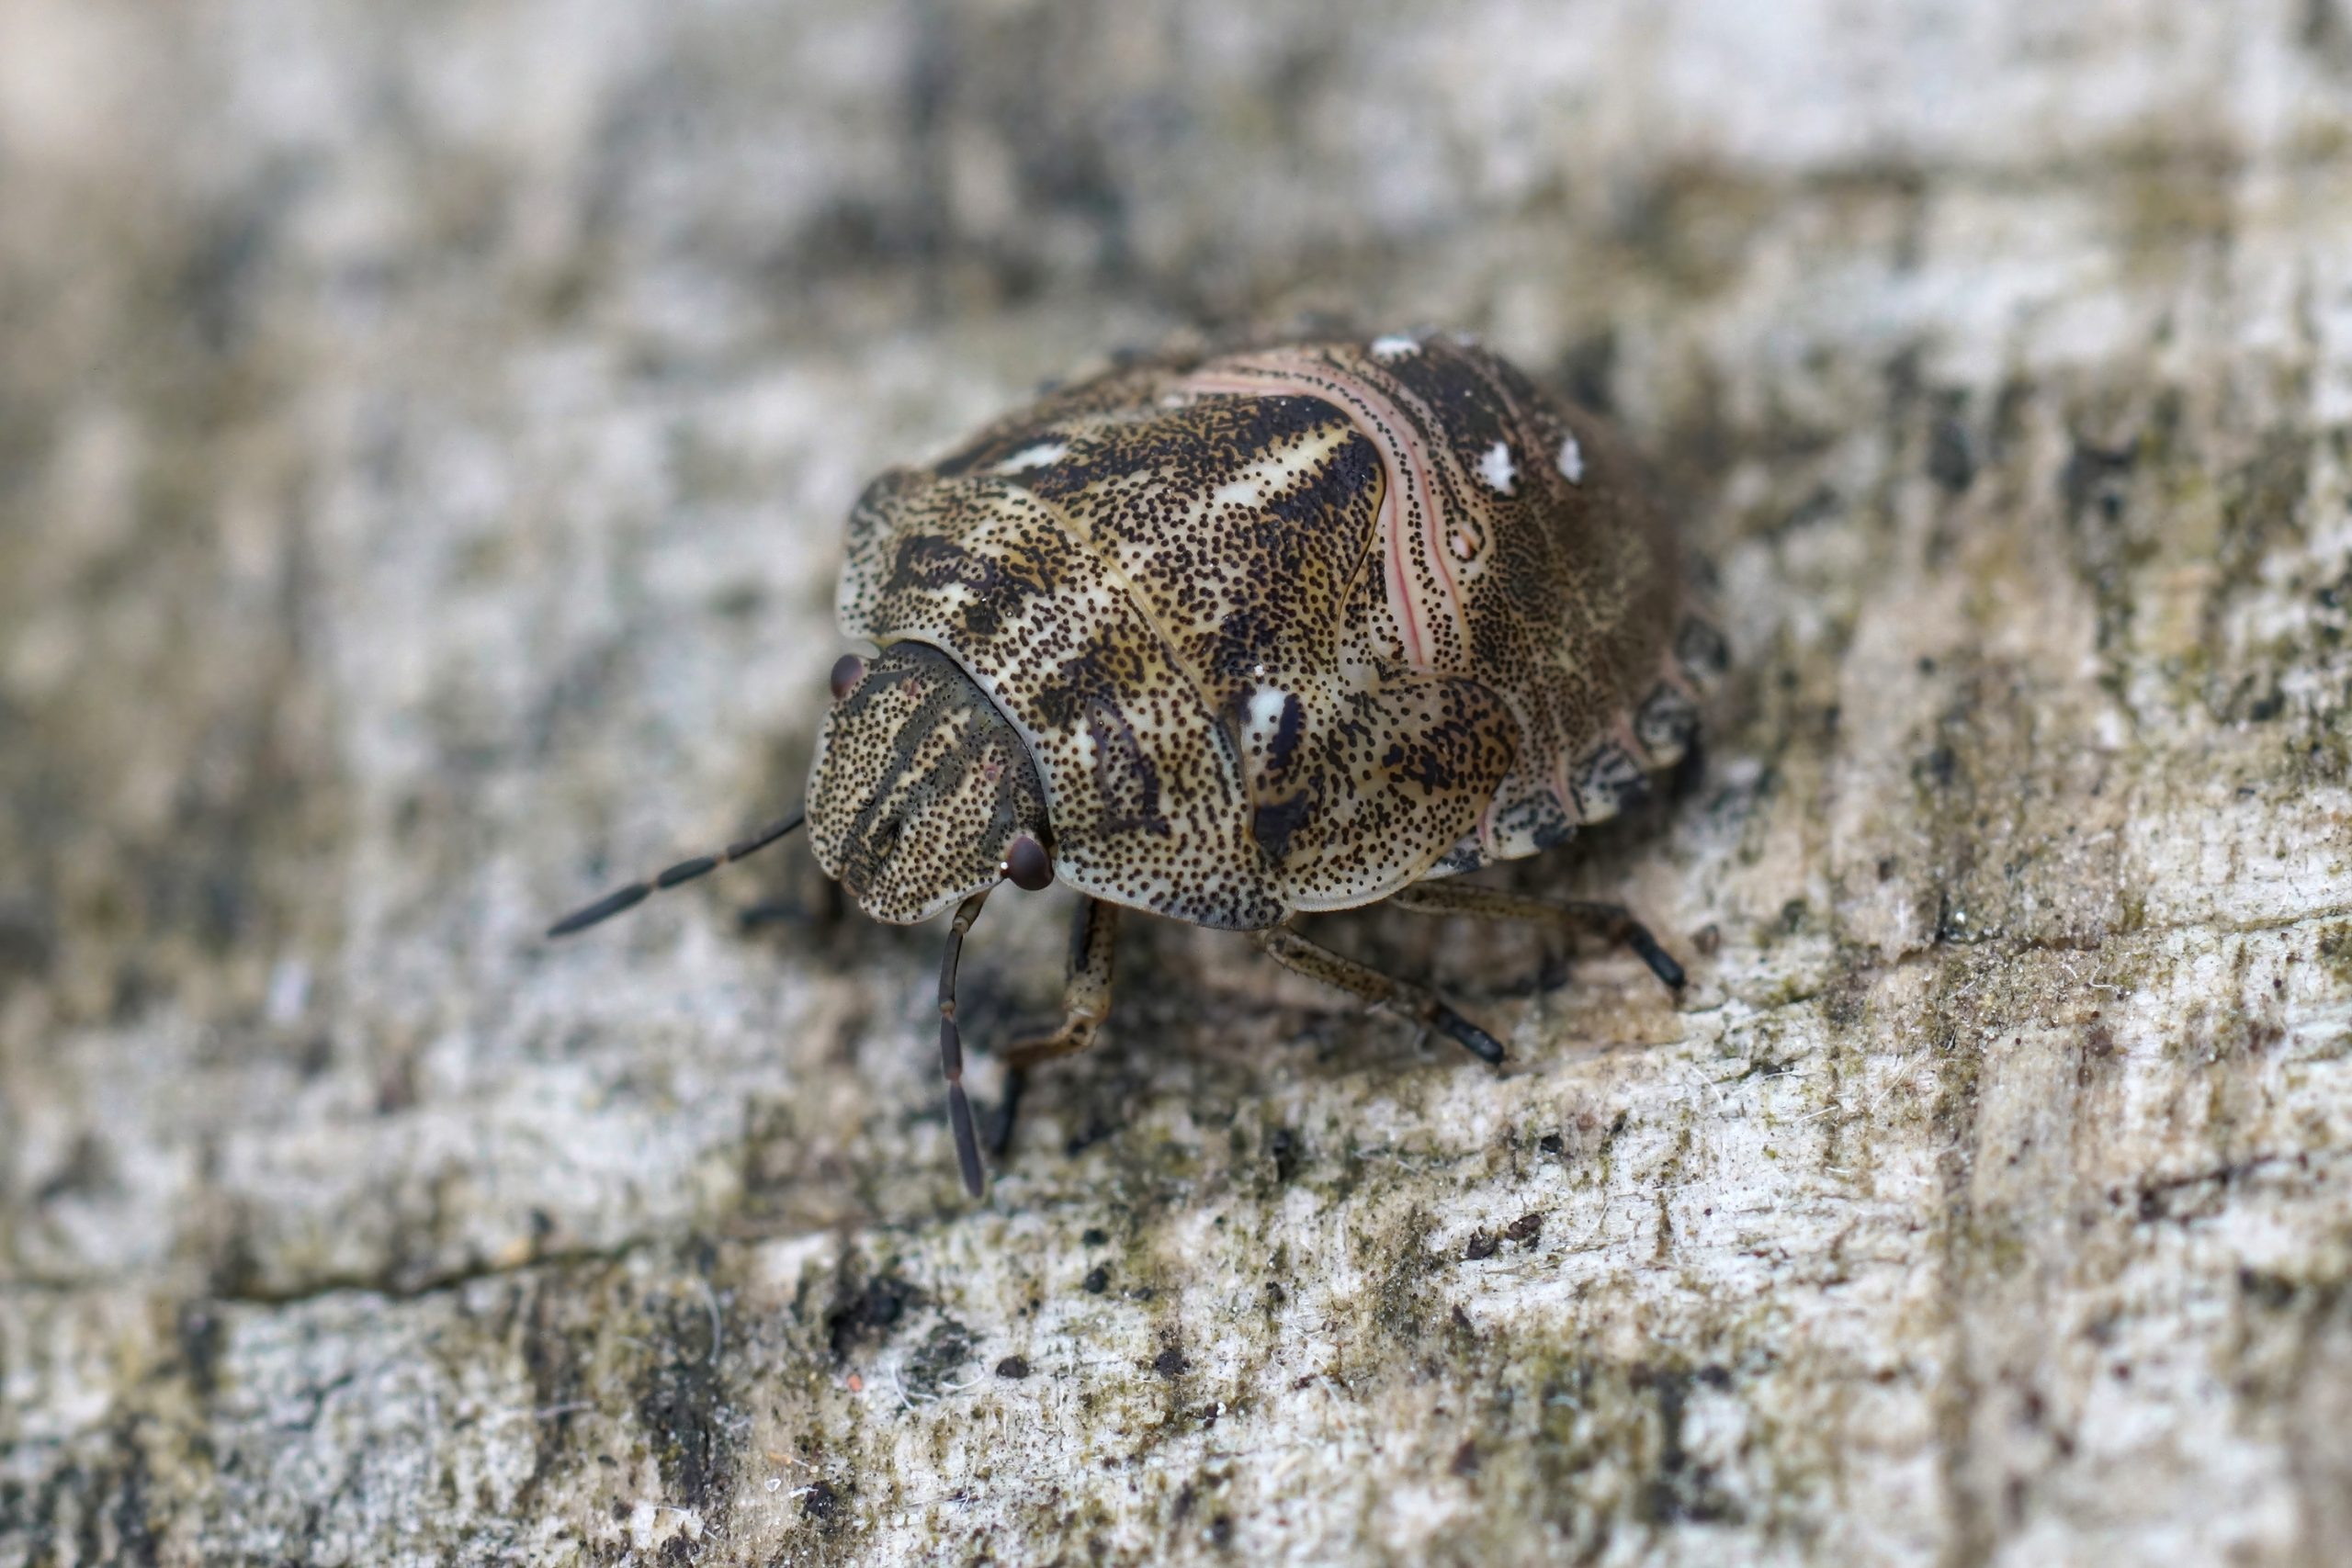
(424, 435)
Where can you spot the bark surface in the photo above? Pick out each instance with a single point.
(425, 436)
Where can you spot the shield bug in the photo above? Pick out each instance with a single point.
(1233, 637)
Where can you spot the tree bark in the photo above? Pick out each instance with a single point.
(424, 439)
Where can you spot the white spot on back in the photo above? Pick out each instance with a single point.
(1239, 493)
(1393, 346)
(1496, 467)
(1464, 546)
(1571, 460)
(1035, 457)
(1266, 705)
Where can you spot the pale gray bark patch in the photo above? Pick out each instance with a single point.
(423, 442)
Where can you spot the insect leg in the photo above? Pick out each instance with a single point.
(1086, 997)
(1608, 921)
(1294, 952)
(1086, 1002)
(950, 1043)
(628, 897)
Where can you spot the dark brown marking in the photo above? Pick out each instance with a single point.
(1288, 727)
(1125, 779)
(1274, 823)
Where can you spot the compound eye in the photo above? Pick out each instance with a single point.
(1027, 865)
(848, 671)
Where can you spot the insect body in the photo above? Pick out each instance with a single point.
(1229, 639)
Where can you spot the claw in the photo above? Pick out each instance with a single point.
(1471, 1038)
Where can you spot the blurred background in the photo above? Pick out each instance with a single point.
(425, 438)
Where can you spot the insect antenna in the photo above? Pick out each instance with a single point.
(636, 893)
(950, 1043)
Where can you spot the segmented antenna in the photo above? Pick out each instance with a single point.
(636, 893)
(950, 1043)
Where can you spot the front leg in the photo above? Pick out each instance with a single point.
(1611, 921)
(1086, 997)
(1300, 956)
(1086, 1002)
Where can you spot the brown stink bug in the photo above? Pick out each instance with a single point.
(1235, 638)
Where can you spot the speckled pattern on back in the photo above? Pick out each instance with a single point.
(1291, 629)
